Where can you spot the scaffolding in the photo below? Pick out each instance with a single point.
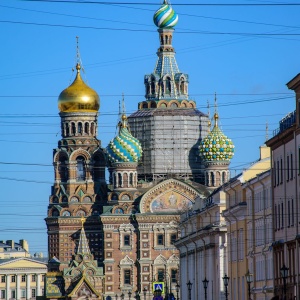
(170, 140)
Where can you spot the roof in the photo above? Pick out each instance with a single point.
(192, 112)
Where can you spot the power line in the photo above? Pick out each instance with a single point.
(155, 4)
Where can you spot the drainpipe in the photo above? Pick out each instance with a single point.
(196, 278)
(237, 244)
(296, 217)
(265, 233)
(252, 232)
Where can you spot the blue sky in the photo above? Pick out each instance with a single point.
(244, 53)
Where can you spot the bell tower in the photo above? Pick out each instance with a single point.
(79, 187)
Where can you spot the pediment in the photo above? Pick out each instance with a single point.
(84, 289)
(126, 261)
(173, 260)
(23, 263)
(169, 196)
(160, 260)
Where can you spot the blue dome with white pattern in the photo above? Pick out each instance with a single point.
(165, 17)
(124, 147)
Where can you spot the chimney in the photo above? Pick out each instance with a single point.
(11, 243)
(24, 245)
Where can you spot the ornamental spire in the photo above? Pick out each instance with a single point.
(83, 245)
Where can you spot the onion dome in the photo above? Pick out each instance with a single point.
(216, 147)
(78, 97)
(165, 17)
(124, 147)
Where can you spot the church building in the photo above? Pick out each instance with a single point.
(156, 173)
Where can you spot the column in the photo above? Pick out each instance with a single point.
(28, 286)
(38, 285)
(7, 287)
(18, 292)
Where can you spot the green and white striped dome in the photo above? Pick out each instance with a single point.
(124, 147)
(216, 146)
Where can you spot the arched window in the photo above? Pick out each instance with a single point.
(55, 213)
(182, 91)
(80, 169)
(73, 128)
(99, 167)
(224, 177)
(131, 179)
(174, 105)
(120, 183)
(145, 105)
(153, 87)
(67, 129)
(93, 128)
(80, 128)
(212, 178)
(168, 86)
(63, 169)
(86, 128)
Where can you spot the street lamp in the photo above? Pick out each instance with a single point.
(145, 293)
(189, 284)
(122, 296)
(249, 279)
(205, 285)
(284, 274)
(137, 295)
(226, 281)
(129, 295)
(177, 290)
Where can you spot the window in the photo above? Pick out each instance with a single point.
(127, 277)
(160, 239)
(13, 294)
(23, 279)
(173, 238)
(282, 224)
(33, 278)
(33, 293)
(13, 279)
(292, 167)
(3, 278)
(127, 240)
(80, 168)
(161, 275)
(288, 168)
(173, 275)
(2, 294)
(281, 171)
(23, 293)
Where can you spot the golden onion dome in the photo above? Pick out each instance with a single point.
(78, 97)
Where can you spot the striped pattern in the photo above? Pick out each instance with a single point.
(165, 17)
(124, 148)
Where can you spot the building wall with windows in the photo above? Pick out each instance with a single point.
(260, 227)
(203, 248)
(285, 152)
(22, 278)
(11, 249)
(248, 215)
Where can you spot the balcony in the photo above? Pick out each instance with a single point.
(288, 121)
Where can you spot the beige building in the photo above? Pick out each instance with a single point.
(248, 215)
(11, 249)
(202, 247)
(22, 278)
(285, 153)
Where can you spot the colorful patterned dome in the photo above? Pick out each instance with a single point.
(216, 146)
(165, 17)
(124, 147)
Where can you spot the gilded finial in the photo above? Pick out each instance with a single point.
(208, 114)
(82, 219)
(216, 116)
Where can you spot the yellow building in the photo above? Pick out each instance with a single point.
(11, 249)
(22, 278)
(249, 230)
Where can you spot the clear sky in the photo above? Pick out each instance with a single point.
(245, 53)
